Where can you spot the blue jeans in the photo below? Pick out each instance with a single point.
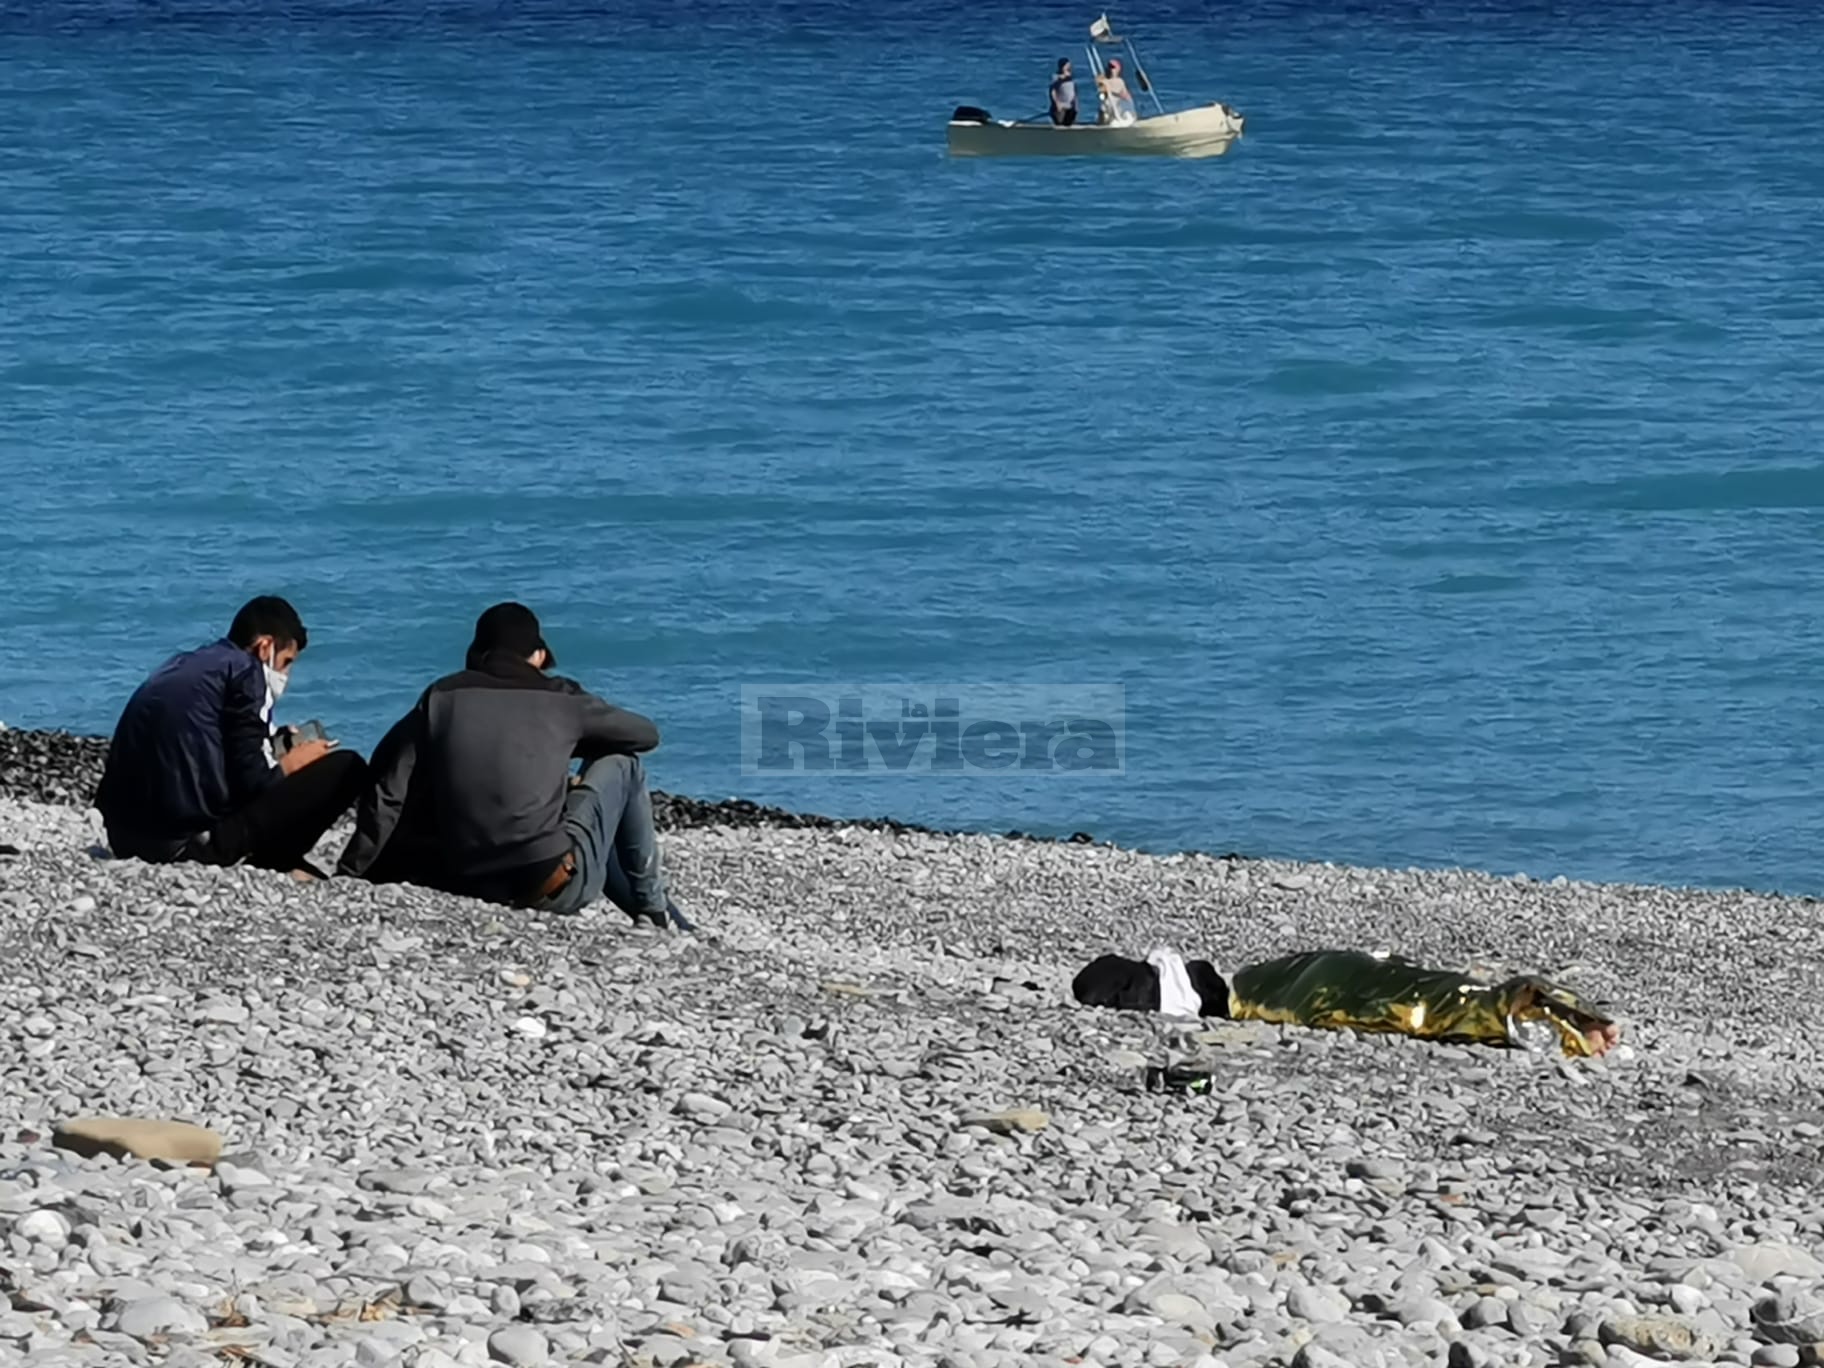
(609, 818)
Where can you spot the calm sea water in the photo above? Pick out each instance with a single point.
(1440, 472)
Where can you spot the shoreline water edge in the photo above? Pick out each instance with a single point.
(859, 1120)
(65, 767)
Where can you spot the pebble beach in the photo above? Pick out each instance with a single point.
(858, 1120)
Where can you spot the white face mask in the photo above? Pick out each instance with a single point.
(276, 679)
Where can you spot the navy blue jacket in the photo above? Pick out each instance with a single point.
(190, 748)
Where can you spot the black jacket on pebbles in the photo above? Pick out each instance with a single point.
(468, 789)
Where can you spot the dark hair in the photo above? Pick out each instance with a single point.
(270, 616)
(1062, 63)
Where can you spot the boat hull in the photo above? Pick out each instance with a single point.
(1208, 131)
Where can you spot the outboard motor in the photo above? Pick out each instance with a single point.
(969, 114)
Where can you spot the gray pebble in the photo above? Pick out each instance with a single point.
(518, 1344)
(1485, 1312)
(149, 1316)
(1789, 1316)
(1316, 1304)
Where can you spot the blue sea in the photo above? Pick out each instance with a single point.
(1440, 473)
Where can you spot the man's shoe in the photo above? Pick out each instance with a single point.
(669, 917)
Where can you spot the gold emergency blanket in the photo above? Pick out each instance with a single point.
(1336, 989)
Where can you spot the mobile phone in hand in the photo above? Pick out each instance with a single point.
(309, 731)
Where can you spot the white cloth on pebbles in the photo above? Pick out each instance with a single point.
(1176, 996)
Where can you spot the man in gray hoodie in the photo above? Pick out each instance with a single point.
(472, 791)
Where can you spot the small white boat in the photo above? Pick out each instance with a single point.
(1119, 130)
(1208, 131)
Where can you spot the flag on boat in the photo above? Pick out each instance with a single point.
(1101, 32)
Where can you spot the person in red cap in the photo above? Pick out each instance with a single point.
(1117, 99)
(472, 791)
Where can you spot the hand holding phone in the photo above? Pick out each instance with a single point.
(304, 753)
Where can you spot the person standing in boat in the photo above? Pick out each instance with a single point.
(1117, 100)
(1064, 95)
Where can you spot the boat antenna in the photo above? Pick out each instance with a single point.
(1099, 32)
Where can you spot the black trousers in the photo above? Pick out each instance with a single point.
(1064, 118)
(278, 829)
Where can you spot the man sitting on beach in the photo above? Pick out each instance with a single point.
(196, 772)
(471, 791)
